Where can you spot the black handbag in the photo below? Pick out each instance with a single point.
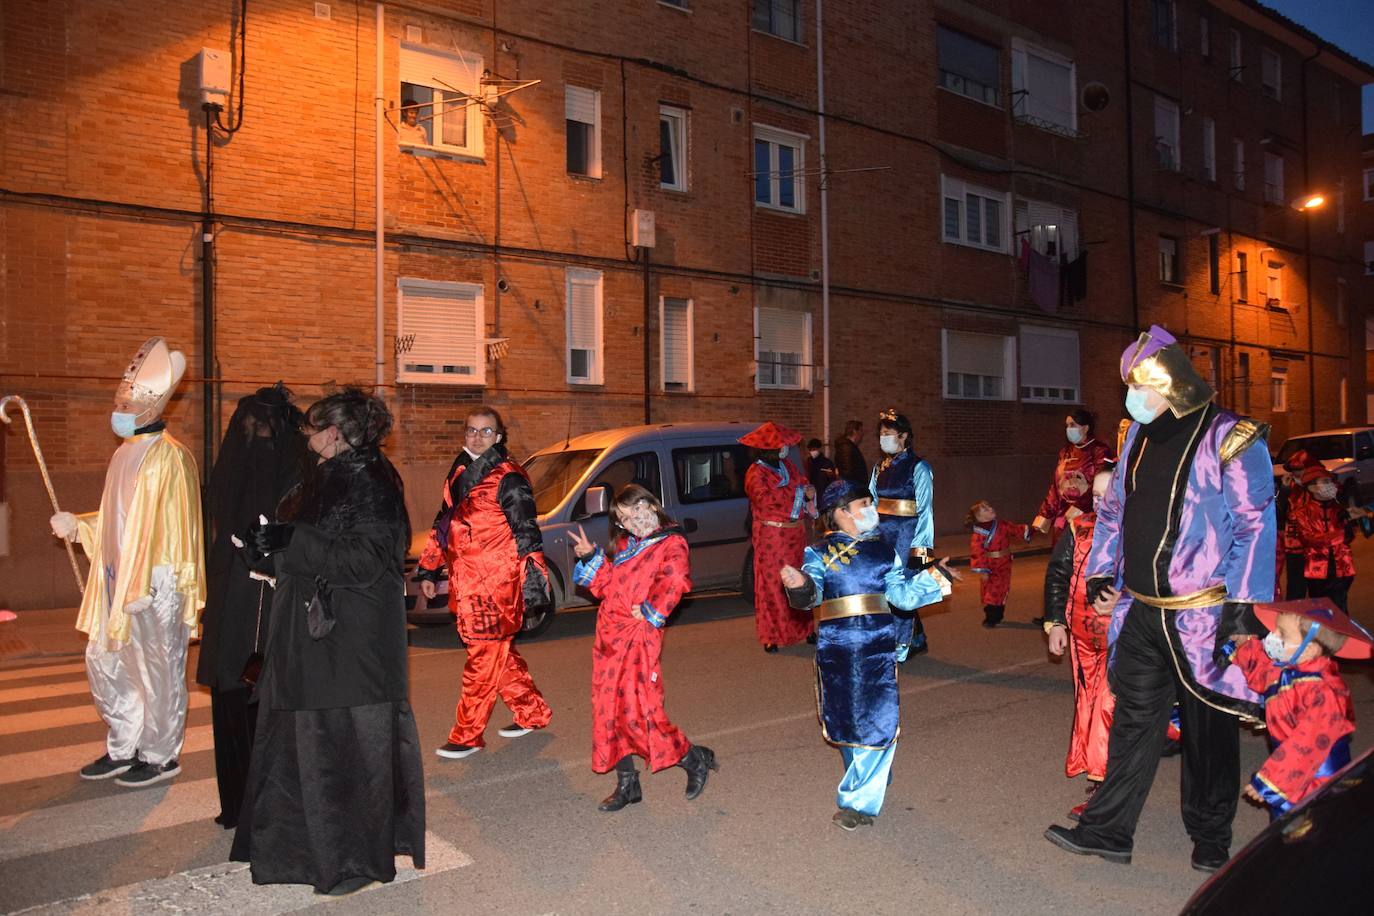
(252, 669)
(319, 615)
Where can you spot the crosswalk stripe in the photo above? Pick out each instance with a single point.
(43, 691)
(83, 714)
(228, 887)
(72, 757)
(17, 674)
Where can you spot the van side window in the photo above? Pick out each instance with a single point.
(640, 468)
(710, 472)
(1364, 446)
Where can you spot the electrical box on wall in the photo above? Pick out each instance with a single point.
(214, 77)
(642, 229)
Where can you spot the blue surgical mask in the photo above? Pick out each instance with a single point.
(866, 519)
(782, 453)
(1137, 405)
(1074, 434)
(123, 424)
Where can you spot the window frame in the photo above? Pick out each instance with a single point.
(475, 125)
(1204, 28)
(594, 160)
(1010, 388)
(1021, 50)
(734, 453)
(1066, 243)
(1209, 149)
(1278, 389)
(1273, 282)
(679, 132)
(940, 70)
(803, 365)
(689, 386)
(965, 189)
(1175, 162)
(1170, 263)
(1214, 263)
(1047, 331)
(1274, 190)
(1242, 282)
(581, 275)
(1272, 90)
(1165, 31)
(1236, 57)
(768, 30)
(776, 137)
(443, 289)
(1238, 164)
(1368, 190)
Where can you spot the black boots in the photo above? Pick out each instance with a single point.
(698, 761)
(992, 614)
(626, 792)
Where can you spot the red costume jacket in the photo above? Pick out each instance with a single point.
(1305, 716)
(781, 526)
(487, 534)
(1326, 532)
(990, 549)
(628, 715)
(1086, 459)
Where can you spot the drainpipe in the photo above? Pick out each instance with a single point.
(380, 267)
(1130, 166)
(648, 317)
(825, 232)
(1307, 250)
(207, 299)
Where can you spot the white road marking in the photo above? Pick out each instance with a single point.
(15, 674)
(71, 757)
(229, 888)
(43, 691)
(84, 714)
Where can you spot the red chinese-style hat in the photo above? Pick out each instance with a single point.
(1315, 472)
(1359, 642)
(1299, 460)
(771, 436)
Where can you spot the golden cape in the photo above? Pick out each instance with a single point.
(163, 528)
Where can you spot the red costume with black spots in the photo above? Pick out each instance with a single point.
(628, 716)
(782, 504)
(990, 549)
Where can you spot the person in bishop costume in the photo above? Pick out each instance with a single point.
(147, 580)
(903, 491)
(1188, 525)
(851, 579)
(639, 587)
(781, 505)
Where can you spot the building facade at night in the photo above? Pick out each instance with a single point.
(628, 211)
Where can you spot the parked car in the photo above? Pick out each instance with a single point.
(696, 469)
(1314, 859)
(1348, 453)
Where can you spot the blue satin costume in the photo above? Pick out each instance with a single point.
(905, 476)
(856, 668)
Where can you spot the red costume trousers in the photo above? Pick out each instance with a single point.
(776, 621)
(997, 583)
(494, 668)
(1093, 703)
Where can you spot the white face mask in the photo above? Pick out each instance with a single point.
(1074, 434)
(889, 444)
(641, 520)
(123, 424)
(1274, 647)
(866, 519)
(1324, 489)
(782, 453)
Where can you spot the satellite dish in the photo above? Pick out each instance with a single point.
(1095, 97)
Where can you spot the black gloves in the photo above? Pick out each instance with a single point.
(1237, 619)
(429, 575)
(1096, 586)
(267, 539)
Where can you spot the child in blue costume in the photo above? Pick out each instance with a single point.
(849, 578)
(903, 490)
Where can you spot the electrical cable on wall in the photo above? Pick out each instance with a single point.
(241, 65)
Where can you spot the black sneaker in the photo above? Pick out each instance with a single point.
(106, 767)
(453, 751)
(1208, 857)
(145, 774)
(1074, 842)
(849, 820)
(515, 730)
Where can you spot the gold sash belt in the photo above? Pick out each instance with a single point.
(1208, 597)
(905, 507)
(996, 554)
(850, 606)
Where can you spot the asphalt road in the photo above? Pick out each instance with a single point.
(514, 829)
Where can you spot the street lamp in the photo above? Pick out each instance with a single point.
(1308, 201)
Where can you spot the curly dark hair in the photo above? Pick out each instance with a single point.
(363, 419)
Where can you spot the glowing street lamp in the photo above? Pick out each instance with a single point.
(1309, 202)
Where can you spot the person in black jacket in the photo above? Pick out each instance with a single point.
(259, 461)
(336, 788)
(820, 470)
(849, 460)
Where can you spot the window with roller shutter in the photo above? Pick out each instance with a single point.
(782, 349)
(442, 86)
(582, 111)
(675, 343)
(1049, 365)
(584, 306)
(978, 366)
(440, 333)
(1052, 229)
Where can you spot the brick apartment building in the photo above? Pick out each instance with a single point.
(1148, 161)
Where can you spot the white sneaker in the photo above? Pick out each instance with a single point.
(514, 730)
(456, 751)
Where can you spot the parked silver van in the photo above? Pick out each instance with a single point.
(696, 469)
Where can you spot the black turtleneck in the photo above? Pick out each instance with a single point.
(1156, 476)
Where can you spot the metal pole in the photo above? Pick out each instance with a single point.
(648, 315)
(379, 268)
(825, 232)
(1130, 167)
(207, 300)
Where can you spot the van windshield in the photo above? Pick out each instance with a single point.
(1323, 448)
(553, 473)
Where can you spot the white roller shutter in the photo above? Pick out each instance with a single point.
(677, 344)
(440, 333)
(584, 326)
(580, 105)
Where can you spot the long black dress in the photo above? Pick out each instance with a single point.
(259, 462)
(336, 788)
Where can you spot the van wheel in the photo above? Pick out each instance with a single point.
(537, 623)
(746, 577)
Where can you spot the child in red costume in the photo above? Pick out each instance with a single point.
(639, 588)
(990, 556)
(1072, 622)
(1307, 706)
(1325, 528)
